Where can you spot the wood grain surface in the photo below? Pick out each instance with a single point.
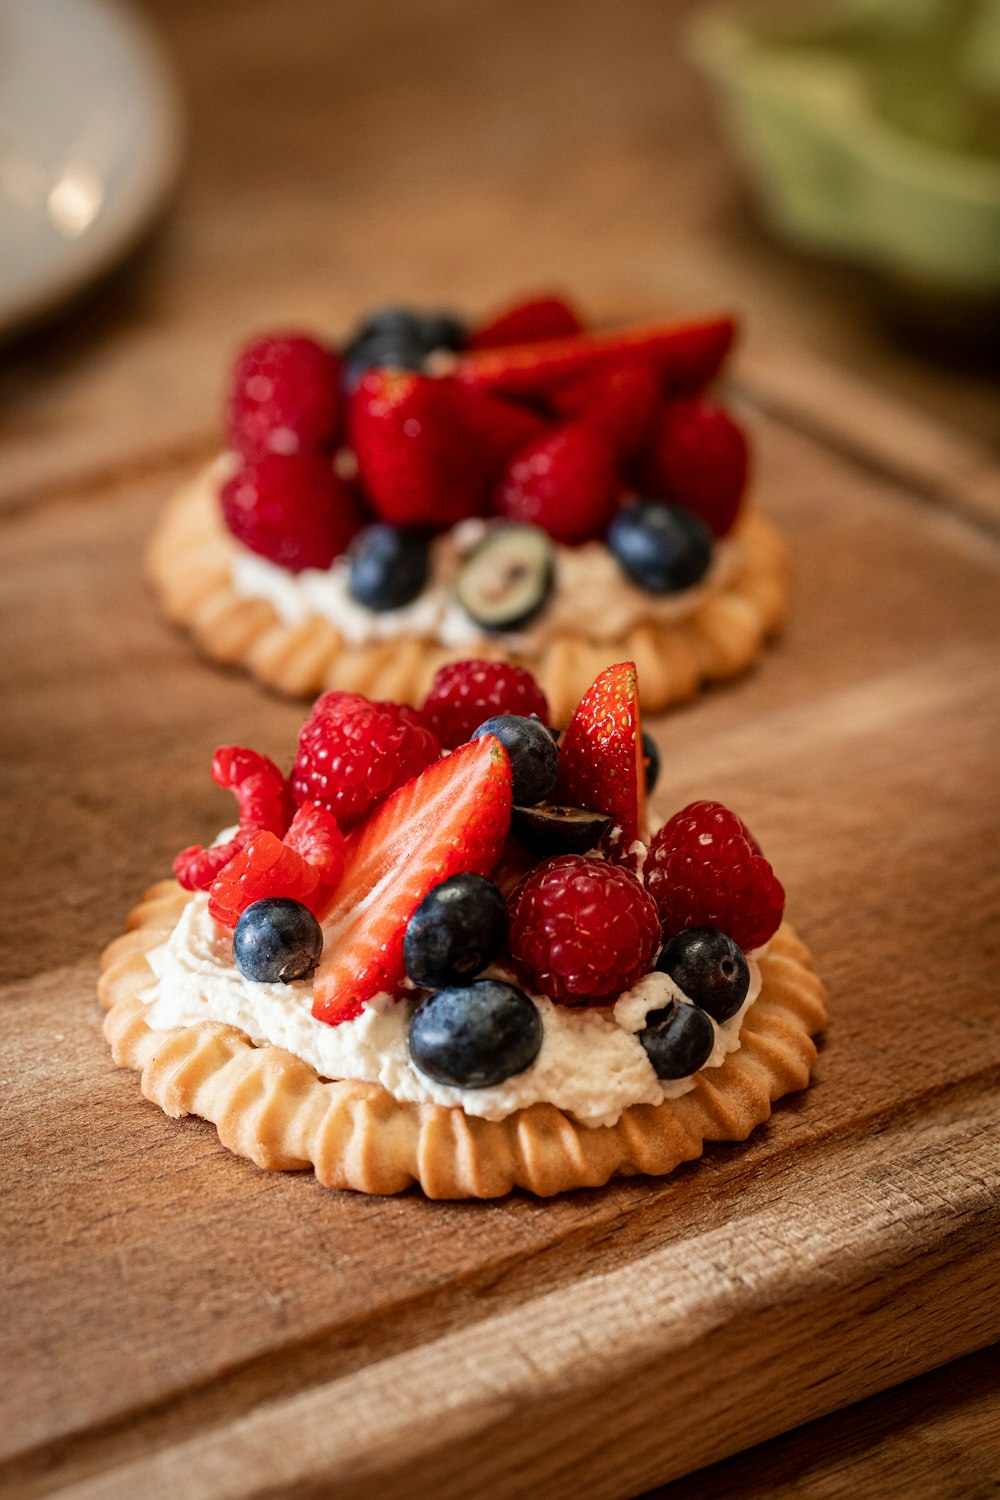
(176, 1323)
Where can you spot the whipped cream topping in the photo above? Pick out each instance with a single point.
(591, 1063)
(592, 597)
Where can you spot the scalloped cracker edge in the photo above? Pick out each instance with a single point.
(272, 1108)
(189, 565)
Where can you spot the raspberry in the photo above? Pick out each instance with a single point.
(464, 694)
(264, 801)
(295, 511)
(705, 869)
(315, 834)
(698, 459)
(353, 753)
(564, 482)
(283, 397)
(266, 867)
(582, 931)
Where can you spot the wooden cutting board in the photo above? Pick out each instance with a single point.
(178, 1323)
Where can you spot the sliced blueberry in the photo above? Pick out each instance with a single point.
(388, 566)
(558, 830)
(534, 755)
(459, 927)
(650, 760)
(662, 547)
(277, 939)
(709, 968)
(678, 1040)
(507, 577)
(477, 1035)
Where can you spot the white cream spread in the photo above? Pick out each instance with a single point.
(591, 1063)
(591, 597)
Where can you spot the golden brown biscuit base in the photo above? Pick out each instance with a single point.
(189, 565)
(273, 1108)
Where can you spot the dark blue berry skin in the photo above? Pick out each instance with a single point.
(459, 927)
(709, 968)
(277, 939)
(477, 1035)
(388, 566)
(393, 351)
(534, 755)
(551, 829)
(662, 547)
(678, 1040)
(650, 760)
(431, 330)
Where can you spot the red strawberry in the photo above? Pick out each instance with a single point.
(618, 402)
(601, 756)
(526, 322)
(699, 459)
(265, 867)
(566, 483)
(284, 396)
(685, 356)
(265, 802)
(452, 817)
(427, 448)
(295, 511)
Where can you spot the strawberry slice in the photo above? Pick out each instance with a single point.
(686, 357)
(601, 758)
(453, 817)
(526, 322)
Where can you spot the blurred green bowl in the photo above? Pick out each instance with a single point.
(871, 131)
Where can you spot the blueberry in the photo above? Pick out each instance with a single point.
(678, 1040)
(277, 938)
(662, 547)
(709, 968)
(475, 1036)
(534, 755)
(557, 830)
(650, 760)
(442, 330)
(507, 578)
(393, 351)
(459, 927)
(388, 566)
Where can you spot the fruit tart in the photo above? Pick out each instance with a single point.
(527, 490)
(448, 949)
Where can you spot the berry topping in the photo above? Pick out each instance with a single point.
(699, 459)
(507, 578)
(582, 931)
(464, 693)
(706, 870)
(284, 397)
(277, 939)
(295, 511)
(565, 482)
(534, 757)
(685, 358)
(601, 755)
(618, 402)
(315, 834)
(558, 830)
(399, 338)
(459, 927)
(678, 1040)
(451, 818)
(476, 1036)
(389, 567)
(707, 967)
(650, 760)
(264, 801)
(526, 322)
(662, 548)
(265, 867)
(353, 753)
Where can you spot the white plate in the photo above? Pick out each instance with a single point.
(89, 145)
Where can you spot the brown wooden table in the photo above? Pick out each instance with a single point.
(455, 152)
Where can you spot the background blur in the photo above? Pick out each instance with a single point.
(338, 155)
